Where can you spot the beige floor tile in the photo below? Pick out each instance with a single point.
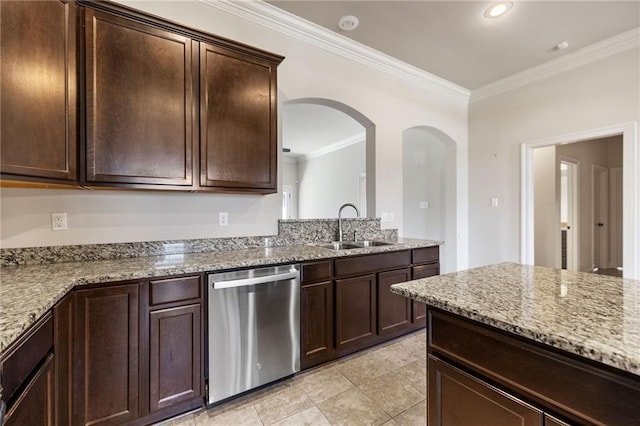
(414, 416)
(242, 416)
(282, 405)
(352, 408)
(183, 420)
(391, 393)
(324, 384)
(363, 368)
(414, 373)
(391, 422)
(309, 417)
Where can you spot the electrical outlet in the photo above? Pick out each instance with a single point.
(59, 221)
(392, 217)
(384, 217)
(424, 204)
(223, 218)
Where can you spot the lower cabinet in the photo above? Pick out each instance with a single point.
(355, 311)
(316, 323)
(28, 376)
(347, 304)
(135, 352)
(483, 403)
(394, 311)
(105, 355)
(35, 406)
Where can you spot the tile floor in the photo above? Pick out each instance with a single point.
(385, 385)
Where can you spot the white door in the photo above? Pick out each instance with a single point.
(600, 217)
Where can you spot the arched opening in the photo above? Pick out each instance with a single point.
(328, 159)
(429, 189)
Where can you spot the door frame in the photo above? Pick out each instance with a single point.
(631, 191)
(573, 203)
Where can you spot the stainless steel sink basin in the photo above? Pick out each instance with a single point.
(347, 245)
(339, 245)
(368, 243)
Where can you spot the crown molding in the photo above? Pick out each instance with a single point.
(608, 47)
(334, 147)
(271, 17)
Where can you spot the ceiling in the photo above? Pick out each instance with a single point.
(307, 128)
(454, 41)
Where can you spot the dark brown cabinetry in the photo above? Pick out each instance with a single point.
(498, 365)
(237, 120)
(172, 362)
(483, 404)
(28, 378)
(355, 311)
(38, 135)
(134, 351)
(394, 311)
(105, 355)
(347, 304)
(419, 313)
(317, 312)
(139, 103)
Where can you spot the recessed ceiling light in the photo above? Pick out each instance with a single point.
(496, 10)
(348, 23)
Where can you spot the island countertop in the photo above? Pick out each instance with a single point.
(28, 292)
(594, 316)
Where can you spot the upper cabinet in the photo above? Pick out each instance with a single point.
(237, 121)
(38, 130)
(162, 106)
(139, 103)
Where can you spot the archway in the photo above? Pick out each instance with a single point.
(367, 137)
(429, 189)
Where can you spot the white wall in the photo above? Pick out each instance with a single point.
(599, 94)
(329, 181)
(391, 103)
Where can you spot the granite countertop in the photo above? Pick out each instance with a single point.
(593, 316)
(28, 292)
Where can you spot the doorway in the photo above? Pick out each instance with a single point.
(600, 228)
(630, 190)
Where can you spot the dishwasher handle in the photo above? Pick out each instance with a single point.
(242, 282)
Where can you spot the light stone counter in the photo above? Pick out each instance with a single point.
(28, 292)
(593, 316)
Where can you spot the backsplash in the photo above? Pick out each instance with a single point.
(290, 232)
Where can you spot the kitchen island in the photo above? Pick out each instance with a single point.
(515, 344)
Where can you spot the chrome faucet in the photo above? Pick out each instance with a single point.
(340, 218)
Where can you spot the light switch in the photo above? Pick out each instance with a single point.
(494, 202)
(424, 204)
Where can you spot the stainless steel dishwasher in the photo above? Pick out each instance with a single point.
(254, 329)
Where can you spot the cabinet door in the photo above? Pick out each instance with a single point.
(419, 315)
(238, 121)
(175, 372)
(394, 311)
(105, 355)
(355, 311)
(139, 103)
(316, 324)
(456, 398)
(38, 135)
(35, 405)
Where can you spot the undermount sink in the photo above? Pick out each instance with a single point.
(339, 245)
(347, 245)
(368, 243)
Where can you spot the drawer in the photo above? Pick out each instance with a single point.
(426, 254)
(21, 361)
(174, 290)
(316, 271)
(359, 265)
(424, 271)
